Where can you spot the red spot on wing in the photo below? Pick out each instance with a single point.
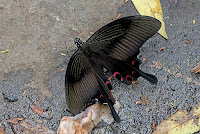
(101, 96)
(107, 82)
(115, 74)
(128, 76)
(133, 62)
(133, 72)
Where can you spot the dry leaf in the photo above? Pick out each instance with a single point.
(193, 21)
(6, 51)
(145, 100)
(178, 67)
(24, 92)
(84, 122)
(62, 69)
(162, 48)
(138, 102)
(192, 80)
(35, 127)
(181, 122)
(14, 121)
(118, 16)
(40, 111)
(151, 8)
(2, 129)
(187, 41)
(196, 69)
(63, 54)
(160, 65)
(144, 60)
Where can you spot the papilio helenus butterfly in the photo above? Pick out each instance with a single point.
(114, 47)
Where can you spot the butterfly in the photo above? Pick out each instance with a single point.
(113, 47)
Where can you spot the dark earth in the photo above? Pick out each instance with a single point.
(37, 32)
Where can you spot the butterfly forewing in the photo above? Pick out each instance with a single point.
(125, 42)
(81, 82)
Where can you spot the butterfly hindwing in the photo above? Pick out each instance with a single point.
(86, 81)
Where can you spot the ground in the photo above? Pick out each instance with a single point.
(37, 32)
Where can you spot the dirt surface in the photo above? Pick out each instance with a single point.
(37, 32)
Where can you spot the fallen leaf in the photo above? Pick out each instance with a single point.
(138, 102)
(145, 100)
(118, 16)
(181, 122)
(6, 51)
(35, 127)
(151, 8)
(187, 41)
(153, 65)
(14, 121)
(24, 92)
(162, 48)
(153, 126)
(110, 78)
(196, 69)
(144, 60)
(178, 67)
(160, 65)
(40, 111)
(62, 69)
(63, 54)
(179, 75)
(193, 21)
(2, 129)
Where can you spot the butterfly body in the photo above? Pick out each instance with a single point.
(114, 47)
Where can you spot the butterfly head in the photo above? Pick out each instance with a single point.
(78, 42)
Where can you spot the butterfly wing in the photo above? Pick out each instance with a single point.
(85, 81)
(80, 82)
(122, 38)
(119, 42)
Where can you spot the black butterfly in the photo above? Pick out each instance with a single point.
(114, 47)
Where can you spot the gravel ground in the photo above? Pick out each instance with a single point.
(37, 32)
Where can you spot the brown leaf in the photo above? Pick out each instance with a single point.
(63, 54)
(181, 122)
(14, 121)
(187, 42)
(62, 69)
(35, 127)
(40, 111)
(138, 102)
(193, 22)
(159, 64)
(162, 48)
(196, 69)
(2, 129)
(145, 100)
(153, 126)
(144, 60)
